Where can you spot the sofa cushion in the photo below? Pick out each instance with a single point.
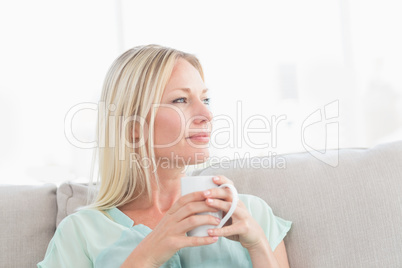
(28, 222)
(70, 196)
(344, 216)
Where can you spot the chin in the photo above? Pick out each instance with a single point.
(183, 159)
(198, 158)
(195, 157)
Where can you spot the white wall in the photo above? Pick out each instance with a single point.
(293, 59)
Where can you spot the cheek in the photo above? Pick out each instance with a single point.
(168, 128)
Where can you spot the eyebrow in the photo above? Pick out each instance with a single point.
(186, 89)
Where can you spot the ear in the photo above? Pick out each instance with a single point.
(136, 131)
(138, 127)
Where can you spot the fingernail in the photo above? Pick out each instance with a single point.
(215, 178)
(207, 193)
(210, 232)
(215, 238)
(218, 220)
(210, 201)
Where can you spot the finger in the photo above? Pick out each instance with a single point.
(194, 241)
(185, 199)
(191, 209)
(234, 229)
(194, 221)
(219, 193)
(219, 204)
(220, 179)
(239, 213)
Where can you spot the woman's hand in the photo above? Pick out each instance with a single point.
(242, 227)
(170, 234)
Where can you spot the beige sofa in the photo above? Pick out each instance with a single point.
(349, 215)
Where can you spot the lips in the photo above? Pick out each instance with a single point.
(202, 137)
(199, 135)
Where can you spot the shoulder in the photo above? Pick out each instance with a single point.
(80, 215)
(274, 227)
(254, 203)
(250, 198)
(258, 208)
(69, 245)
(81, 220)
(79, 238)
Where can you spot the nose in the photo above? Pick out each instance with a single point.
(202, 114)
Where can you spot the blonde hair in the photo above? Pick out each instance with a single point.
(135, 81)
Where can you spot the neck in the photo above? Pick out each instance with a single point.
(164, 197)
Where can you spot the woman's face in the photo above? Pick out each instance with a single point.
(183, 121)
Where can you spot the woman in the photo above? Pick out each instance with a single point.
(158, 121)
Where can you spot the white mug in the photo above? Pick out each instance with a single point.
(203, 183)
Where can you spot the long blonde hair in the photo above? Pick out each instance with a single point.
(135, 81)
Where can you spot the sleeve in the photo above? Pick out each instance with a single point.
(67, 247)
(275, 228)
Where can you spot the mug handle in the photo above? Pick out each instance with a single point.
(232, 207)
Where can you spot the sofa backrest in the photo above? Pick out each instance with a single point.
(344, 216)
(28, 222)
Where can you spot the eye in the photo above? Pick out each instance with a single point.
(206, 101)
(180, 100)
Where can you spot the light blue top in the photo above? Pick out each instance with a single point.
(88, 238)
